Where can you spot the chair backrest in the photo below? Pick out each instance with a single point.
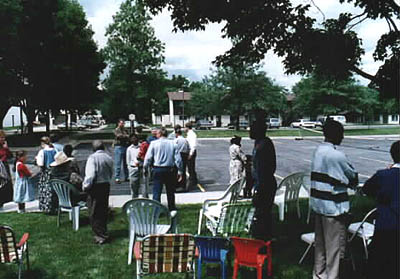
(145, 215)
(236, 188)
(235, 219)
(167, 253)
(246, 249)
(364, 229)
(210, 247)
(64, 191)
(292, 184)
(8, 246)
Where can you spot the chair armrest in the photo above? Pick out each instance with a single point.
(23, 240)
(136, 250)
(208, 201)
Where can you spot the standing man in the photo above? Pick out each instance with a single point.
(121, 142)
(164, 156)
(331, 175)
(153, 136)
(98, 174)
(264, 166)
(135, 166)
(183, 149)
(192, 140)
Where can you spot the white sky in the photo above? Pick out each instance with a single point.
(191, 53)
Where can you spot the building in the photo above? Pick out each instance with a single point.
(13, 117)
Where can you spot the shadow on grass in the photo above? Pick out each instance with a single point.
(11, 272)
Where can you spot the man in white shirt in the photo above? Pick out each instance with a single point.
(135, 167)
(192, 140)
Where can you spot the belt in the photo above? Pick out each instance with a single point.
(163, 167)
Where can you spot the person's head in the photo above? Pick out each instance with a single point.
(154, 131)
(44, 141)
(178, 130)
(2, 137)
(258, 129)
(134, 139)
(20, 155)
(236, 140)
(68, 150)
(188, 126)
(162, 132)
(333, 132)
(121, 123)
(98, 145)
(395, 152)
(54, 138)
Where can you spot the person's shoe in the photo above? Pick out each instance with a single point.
(21, 210)
(99, 240)
(118, 181)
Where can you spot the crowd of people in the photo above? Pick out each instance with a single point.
(164, 160)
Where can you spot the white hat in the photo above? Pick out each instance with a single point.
(60, 158)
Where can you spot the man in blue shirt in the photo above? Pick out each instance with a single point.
(163, 155)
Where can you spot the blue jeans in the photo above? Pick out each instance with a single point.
(120, 158)
(164, 176)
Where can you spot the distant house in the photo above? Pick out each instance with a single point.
(13, 117)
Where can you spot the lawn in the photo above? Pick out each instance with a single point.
(63, 253)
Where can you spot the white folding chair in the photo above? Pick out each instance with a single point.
(364, 230)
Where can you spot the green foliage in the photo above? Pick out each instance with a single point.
(259, 26)
(134, 56)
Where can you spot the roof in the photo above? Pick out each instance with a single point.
(179, 96)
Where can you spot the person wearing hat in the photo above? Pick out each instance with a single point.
(62, 169)
(237, 160)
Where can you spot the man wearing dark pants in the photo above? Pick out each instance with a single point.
(121, 142)
(331, 175)
(164, 155)
(183, 148)
(191, 162)
(98, 174)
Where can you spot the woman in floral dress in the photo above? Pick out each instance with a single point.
(48, 201)
(6, 191)
(238, 159)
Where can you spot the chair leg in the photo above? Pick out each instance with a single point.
(235, 269)
(138, 269)
(198, 268)
(70, 215)
(27, 256)
(131, 243)
(19, 269)
(58, 217)
(200, 221)
(259, 272)
(75, 218)
(269, 265)
(281, 207)
(308, 214)
(305, 253)
(365, 248)
(298, 208)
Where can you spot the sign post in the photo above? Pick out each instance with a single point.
(132, 118)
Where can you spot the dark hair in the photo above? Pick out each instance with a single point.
(54, 138)
(18, 154)
(68, 150)
(332, 129)
(258, 130)
(163, 132)
(133, 137)
(189, 125)
(98, 145)
(395, 151)
(236, 140)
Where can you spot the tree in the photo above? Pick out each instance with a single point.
(134, 56)
(318, 96)
(258, 26)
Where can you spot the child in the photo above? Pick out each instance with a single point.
(135, 166)
(23, 191)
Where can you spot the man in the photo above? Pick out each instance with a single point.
(154, 132)
(135, 166)
(183, 149)
(384, 186)
(264, 166)
(98, 174)
(121, 142)
(331, 175)
(164, 155)
(54, 138)
(191, 162)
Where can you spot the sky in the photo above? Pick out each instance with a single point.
(191, 53)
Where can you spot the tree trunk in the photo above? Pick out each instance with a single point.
(66, 120)
(30, 115)
(47, 121)
(237, 122)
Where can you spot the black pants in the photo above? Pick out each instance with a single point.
(191, 163)
(164, 176)
(183, 182)
(263, 201)
(98, 208)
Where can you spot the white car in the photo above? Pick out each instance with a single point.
(304, 123)
(72, 126)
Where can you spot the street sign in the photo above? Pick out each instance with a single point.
(132, 117)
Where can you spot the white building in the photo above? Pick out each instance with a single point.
(13, 117)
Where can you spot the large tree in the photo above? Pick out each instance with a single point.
(134, 56)
(333, 48)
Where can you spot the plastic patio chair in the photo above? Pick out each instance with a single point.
(211, 208)
(364, 230)
(211, 250)
(64, 191)
(11, 251)
(145, 218)
(165, 253)
(247, 253)
(288, 190)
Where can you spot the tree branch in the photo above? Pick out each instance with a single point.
(358, 22)
(315, 5)
(393, 23)
(363, 74)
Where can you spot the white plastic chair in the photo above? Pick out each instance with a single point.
(288, 190)
(364, 230)
(144, 219)
(64, 191)
(211, 208)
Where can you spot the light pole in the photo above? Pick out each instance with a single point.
(183, 108)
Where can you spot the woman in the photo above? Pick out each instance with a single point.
(48, 201)
(237, 160)
(24, 186)
(6, 189)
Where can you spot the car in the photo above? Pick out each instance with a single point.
(244, 124)
(273, 123)
(204, 124)
(303, 123)
(72, 125)
(136, 125)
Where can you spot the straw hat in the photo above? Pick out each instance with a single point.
(60, 158)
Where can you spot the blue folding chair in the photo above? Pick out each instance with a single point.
(211, 250)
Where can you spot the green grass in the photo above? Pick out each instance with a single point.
(64, 253)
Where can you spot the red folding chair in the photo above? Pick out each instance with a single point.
(247, 253)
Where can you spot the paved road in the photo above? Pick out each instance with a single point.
(367, 155)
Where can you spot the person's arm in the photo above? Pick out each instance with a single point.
(90, 173)
(192, 139)
(350, 172)
(148, 160)
(371, 186)
(23, 171)
(178, 160)
(128, 156)
(40, 158)
(266, 161)
(241, 155)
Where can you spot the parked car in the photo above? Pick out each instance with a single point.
(273, 123)
(137, 125)
(339, 118)
(72, 125)
(204, 124)
(304, 123)
(244, 124)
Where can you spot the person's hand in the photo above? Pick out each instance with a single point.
(5, 144)
(180, 177)
(136, 164)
